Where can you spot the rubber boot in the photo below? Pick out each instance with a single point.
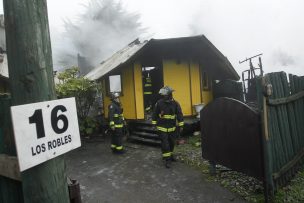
(122, 151)
(168, 163)
(173, 158)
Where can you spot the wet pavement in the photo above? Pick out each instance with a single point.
(138, 176)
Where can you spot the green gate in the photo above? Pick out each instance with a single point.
(281, 100)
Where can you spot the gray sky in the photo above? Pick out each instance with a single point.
(238, 28)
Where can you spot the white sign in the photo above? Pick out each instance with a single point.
(45, 130)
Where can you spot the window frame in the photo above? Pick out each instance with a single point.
(206, 81)
(108, 93)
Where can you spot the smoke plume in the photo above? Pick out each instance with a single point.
(102, 29)
(281, 58)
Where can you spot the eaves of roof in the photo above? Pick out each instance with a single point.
(165, 46)
(119, 58)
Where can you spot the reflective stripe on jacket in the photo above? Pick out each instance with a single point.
(167, 115)
(148, 86)
(115, 116)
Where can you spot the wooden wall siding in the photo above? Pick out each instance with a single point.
(196, 96)
(184, 77)
(128, 96)
(106, 98)
(177, 76)
(207, 97)
(139, 98)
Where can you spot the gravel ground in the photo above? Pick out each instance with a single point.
(247, 187)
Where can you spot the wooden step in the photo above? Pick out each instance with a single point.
(144, 140)
(146, 128)
(145, 135)
(141, 122)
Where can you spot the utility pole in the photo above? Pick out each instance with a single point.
(31, 80)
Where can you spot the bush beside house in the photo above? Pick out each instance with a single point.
(70, 84)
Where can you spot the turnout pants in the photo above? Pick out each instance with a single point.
(167, 143)
(116, 140)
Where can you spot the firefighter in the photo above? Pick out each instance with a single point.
(168, 119)
(117, 123)
(148, 93)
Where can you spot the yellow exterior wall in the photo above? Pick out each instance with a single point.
(207, 97)
(196, 96)
(128, 94)
(106, 99)
(177, 76)
(184, 77)
(139, 98)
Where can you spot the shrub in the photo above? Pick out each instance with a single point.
(85, 91)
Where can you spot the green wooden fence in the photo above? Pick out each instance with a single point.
(10, 190)
(283, 123)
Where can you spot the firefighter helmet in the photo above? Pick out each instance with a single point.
(114, 95)
(166, 90)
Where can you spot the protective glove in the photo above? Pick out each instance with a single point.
(181, 129)
(112, 127)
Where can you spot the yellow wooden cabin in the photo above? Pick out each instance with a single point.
(187, 64)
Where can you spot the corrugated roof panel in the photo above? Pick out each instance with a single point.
(115, 60)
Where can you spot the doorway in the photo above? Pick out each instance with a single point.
(152, 78)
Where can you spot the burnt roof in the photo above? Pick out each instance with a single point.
(152, 52)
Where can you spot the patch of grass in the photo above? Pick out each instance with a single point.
(191, 154)
(247, 187)
(293, 192)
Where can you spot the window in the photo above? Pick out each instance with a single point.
(206, 81)
(115, 83)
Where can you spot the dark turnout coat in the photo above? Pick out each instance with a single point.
(167, 114)
(115, 116)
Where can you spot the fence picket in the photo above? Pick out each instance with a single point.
(285, 125)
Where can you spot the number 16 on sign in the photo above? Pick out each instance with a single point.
(45, 130)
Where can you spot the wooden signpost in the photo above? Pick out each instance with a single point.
(31, 80)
